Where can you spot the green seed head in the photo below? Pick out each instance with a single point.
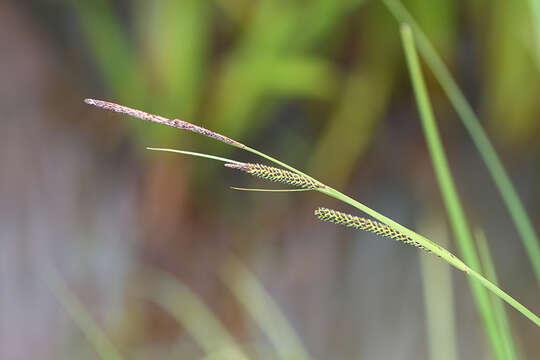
(277, 175)
(356, 222)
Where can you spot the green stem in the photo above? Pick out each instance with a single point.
(503, 295)
(431, 246)
(436, 249)
(78, 313)
(489, 272)
(443, 253)
(454, 209)
(218, 158)
(471, 122)
(428, 244)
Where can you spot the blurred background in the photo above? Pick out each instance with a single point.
(167, 261)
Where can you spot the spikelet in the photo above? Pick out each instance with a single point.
(277, 175)
(356, 222)
(179, 124)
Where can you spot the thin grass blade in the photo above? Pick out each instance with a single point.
(498, 306)
(438, 299)
(471, 122)
(263, 309)
(197, 154)
(450, 196)
(80, 316)
(190, 311)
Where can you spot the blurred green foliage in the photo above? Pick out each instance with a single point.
(511, 84)
(231, 65)
(324, 73)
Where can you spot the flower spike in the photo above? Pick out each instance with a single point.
(277, 175)
(356, 222)
(179, 124)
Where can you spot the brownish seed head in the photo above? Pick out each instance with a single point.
(180, 124)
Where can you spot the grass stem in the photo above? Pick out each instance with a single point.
(498, 306)
(450, 196)
(80, 316)
(429, 245)
(479, 137)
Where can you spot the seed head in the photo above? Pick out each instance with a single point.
(277, 175)
(356, 222)
(180, 124)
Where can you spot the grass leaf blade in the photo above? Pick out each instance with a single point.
(471, 122)
(80, 316)
(190, 311)
(439, 304)
(263, 309)
(450, 196)
(197, 154)
(498, 306)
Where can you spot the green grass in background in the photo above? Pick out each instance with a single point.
(266, 65)
(78, 313)
(478, 135)
(264, 311)
(498, 306)
(190, 311)
(535, 12)
(439, 295)
(450, 196)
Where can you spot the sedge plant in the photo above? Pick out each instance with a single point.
(288, 173)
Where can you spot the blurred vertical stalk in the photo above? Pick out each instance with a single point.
(266, 313)
(498, 306)
(175, 37)
(438, 299)
(450, 196)
(80, 316)
(509, 87)
(189, 310)
(110, 46)
(535, 10)
(349, 132)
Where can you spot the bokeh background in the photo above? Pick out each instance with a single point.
(138, 239)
